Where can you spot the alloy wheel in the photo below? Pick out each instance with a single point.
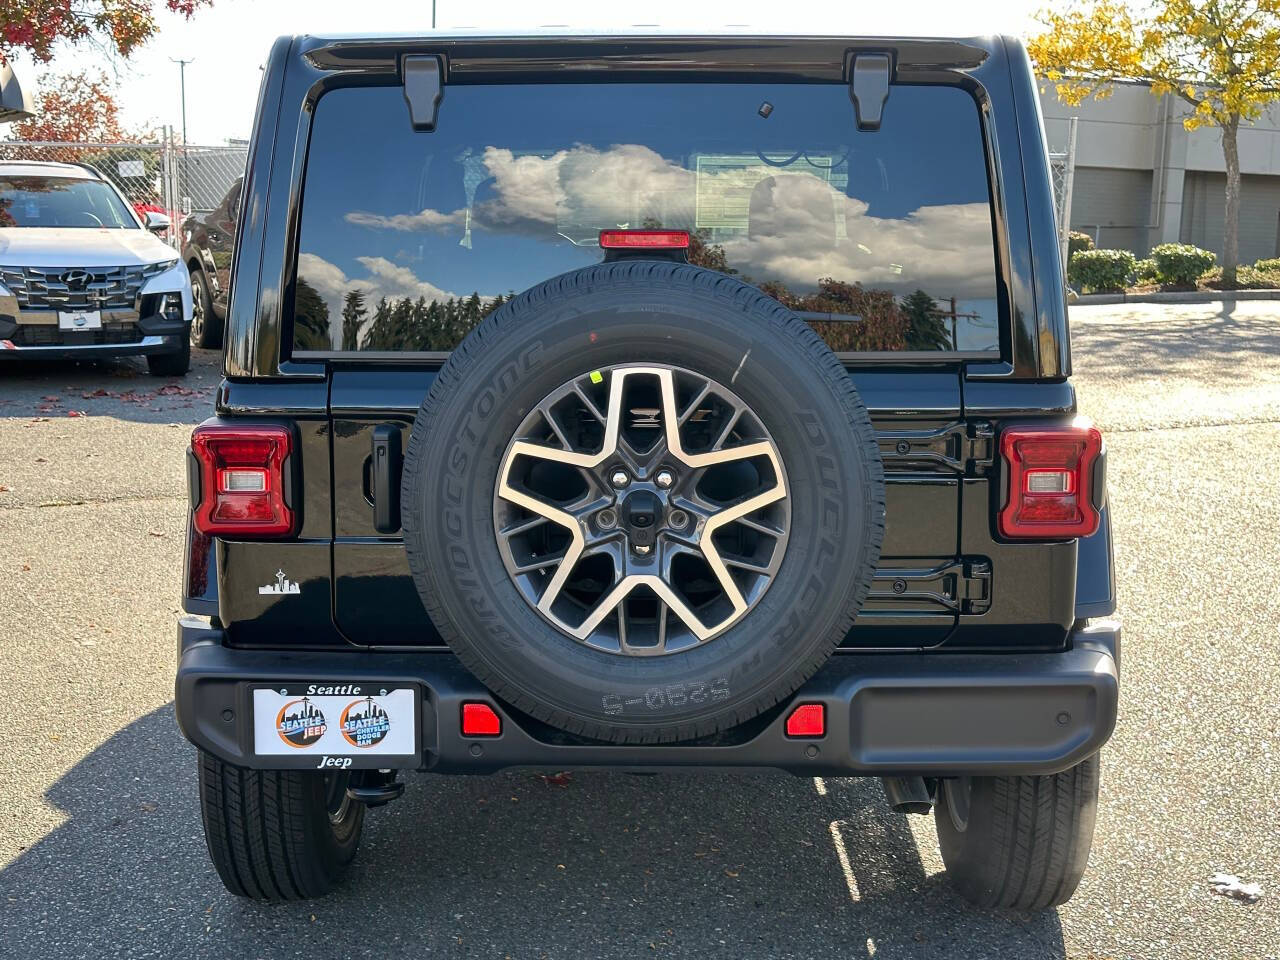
(642, 509)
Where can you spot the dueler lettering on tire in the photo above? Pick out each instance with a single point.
(643, 502)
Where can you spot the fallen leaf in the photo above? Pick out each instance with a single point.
(561, 779)
(76, 413)
(148, 806)
(730, 873)
(156, 533)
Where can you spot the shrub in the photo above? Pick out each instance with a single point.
(1145, 271)
(1247, 278)
(1077, 241)
(1181, 263)
(1271, 265)
(1106, 271)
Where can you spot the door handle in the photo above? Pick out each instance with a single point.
(386, 478)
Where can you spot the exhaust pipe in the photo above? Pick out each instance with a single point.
(907, 794)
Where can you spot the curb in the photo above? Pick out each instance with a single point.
(1189, 296)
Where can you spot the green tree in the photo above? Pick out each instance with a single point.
(310, 319)
(354, 315)
(1220, 56)
(925, 328)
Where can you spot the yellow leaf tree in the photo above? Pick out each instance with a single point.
(1221, 56)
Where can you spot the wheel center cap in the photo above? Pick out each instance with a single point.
(641, 511)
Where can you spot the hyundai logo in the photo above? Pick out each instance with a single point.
(76, 279)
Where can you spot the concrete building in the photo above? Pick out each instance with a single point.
(1142, 179)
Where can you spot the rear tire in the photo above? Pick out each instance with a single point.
(277, 835)
(1018, 842)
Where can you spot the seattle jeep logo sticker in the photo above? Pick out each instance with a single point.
(364, 723)
(300, 723)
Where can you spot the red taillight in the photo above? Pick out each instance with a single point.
(644, 239)
(480, 720)
(243, 480)
(807, 720)
(1051, 493)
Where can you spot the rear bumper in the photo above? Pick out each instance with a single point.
(887, 714)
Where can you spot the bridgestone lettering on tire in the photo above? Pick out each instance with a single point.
(643, 502)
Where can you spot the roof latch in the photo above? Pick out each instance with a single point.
(423, 89)
(869, 87)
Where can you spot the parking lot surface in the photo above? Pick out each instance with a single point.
(101, 853)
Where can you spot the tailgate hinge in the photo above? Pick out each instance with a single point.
(974, 587)
(965, 448)
(962, 586)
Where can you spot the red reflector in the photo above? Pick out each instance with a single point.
(1050, 490)
(242, 480)
(644, 239)
(807, 720)
(480, 720)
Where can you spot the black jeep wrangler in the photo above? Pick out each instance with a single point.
(651, 403)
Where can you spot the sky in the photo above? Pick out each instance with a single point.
(228, 42)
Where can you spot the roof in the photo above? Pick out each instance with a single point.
(47, 168)
(862, 30)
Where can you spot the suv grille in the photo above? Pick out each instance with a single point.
(48, 335)
(75, 288)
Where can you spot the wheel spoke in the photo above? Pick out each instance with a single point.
(554, 424)
(539, 563)
(522, 526)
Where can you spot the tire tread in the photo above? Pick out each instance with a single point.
(1027, 841)
(259, 827)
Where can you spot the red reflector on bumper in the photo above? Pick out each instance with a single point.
(807, 720)
(480, 720)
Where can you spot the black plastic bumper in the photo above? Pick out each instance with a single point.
(933, 714)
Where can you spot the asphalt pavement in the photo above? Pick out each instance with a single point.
(101, 853)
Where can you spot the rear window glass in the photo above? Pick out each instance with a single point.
(882, 240)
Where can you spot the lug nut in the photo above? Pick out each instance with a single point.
(607, 519)
(619, 479)
(678, 519)
(664, 479)
(643, 549)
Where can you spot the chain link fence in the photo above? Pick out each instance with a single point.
(1062, 167)
(165, 177)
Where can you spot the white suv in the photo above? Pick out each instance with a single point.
(82, 275)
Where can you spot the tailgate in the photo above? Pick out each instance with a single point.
(924, 582)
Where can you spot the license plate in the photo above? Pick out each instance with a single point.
(79, 319)
(335, 725)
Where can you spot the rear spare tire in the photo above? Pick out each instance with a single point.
(643, 502)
